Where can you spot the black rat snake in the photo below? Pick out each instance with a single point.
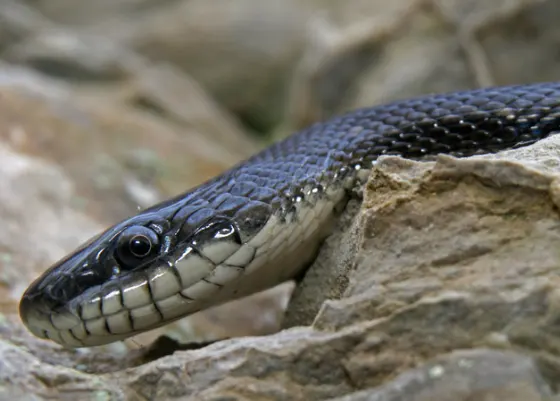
(262, 221)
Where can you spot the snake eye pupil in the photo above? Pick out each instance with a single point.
(140, 246)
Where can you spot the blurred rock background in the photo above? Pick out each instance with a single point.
(108, 106)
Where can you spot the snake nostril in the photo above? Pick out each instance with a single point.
(60, 293)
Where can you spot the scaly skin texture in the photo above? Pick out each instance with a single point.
(261, 204)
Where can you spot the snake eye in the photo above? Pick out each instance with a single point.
(135, 245)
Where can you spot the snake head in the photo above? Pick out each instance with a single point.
(55, 300)
(139, 274)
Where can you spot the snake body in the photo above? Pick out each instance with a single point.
(262, 222)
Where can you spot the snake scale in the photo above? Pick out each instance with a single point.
(263, 221)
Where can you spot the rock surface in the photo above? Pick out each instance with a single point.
(441, 285)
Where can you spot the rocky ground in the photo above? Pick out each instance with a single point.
(443, 287)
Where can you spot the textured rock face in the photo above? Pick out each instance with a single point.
(441, 285)
(461, 225)
(480, 374)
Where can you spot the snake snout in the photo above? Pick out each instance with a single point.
(45, 317)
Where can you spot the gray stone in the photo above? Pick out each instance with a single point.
(481, 374)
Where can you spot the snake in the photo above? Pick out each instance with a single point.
(263, 221)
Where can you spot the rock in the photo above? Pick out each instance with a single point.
(66, 124)
(341, 44)
(18, 21)
(78, 15)
(22, 374)
(278, 66)
(29, 81)
(94, 63)
(179, 98)
(241, 52)
(72, 56)
(480, 374)
(373, 52)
